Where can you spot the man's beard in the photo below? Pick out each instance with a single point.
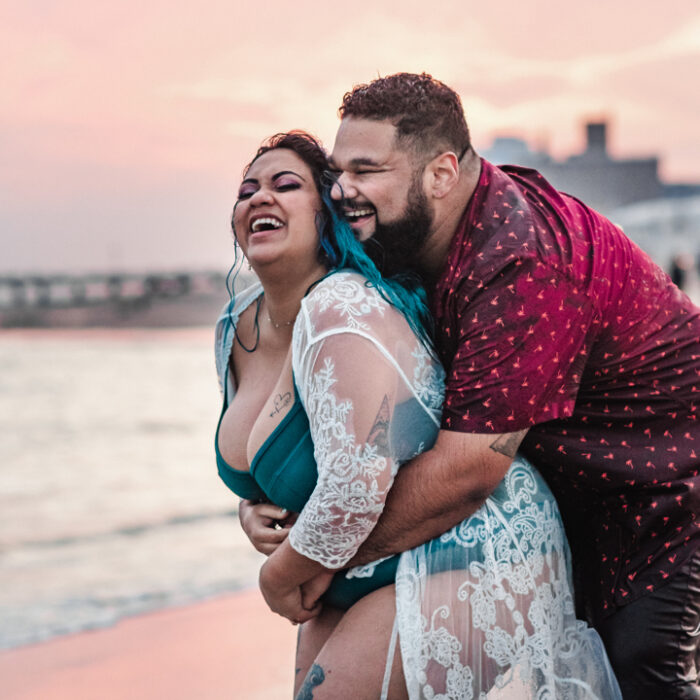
(396, 247)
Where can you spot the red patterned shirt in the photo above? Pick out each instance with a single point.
(549, 318)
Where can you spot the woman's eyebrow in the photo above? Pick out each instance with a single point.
(287, 172)
(276, 176)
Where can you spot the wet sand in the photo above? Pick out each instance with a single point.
(226, 648)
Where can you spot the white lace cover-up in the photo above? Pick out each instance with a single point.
(484, 611)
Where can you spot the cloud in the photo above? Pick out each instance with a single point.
(129, 107)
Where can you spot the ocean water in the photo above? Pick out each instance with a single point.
(109, 500)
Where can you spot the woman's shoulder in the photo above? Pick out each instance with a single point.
(345, 303)
(346, 290)
(341, 281)
(226, 324)
(233, 308)
(346, 300)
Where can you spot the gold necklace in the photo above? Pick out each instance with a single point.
(280, 325)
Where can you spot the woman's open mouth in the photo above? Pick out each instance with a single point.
(265, 223)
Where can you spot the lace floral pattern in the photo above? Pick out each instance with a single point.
(349, 496)
(351, 299)
(355, 357)
(428, 377)
(500, 614)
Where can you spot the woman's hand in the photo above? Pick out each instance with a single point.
(313, 589)
(265, 524)
(284, 597)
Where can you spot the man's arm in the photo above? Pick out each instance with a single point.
(438, 489)
(432, 493)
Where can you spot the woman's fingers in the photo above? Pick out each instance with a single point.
(313, 589)
(306, 615)
(261, 524)
(263, 510)
(267, 544)
(289, 520)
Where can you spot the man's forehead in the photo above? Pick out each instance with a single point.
(364, 141)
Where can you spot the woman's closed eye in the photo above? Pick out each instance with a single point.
(247, 191)
(284, 186)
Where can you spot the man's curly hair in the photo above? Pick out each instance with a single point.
(427, 114)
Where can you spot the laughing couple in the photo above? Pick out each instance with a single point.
(445, 370)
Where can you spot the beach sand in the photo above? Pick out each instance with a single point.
(221, 649)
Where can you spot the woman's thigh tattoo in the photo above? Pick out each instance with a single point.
(314, 678)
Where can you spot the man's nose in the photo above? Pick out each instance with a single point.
(343, 189)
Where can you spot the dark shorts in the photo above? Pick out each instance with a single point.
(653, 642)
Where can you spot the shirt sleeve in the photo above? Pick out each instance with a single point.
(348, 388)
(523, 341)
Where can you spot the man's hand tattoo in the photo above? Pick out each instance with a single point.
(508, 443)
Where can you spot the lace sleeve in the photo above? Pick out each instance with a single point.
(372, 393)
(349, 390)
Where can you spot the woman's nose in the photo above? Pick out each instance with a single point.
(261, 196)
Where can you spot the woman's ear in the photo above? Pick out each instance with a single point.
(441, 174)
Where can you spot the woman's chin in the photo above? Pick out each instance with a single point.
(261, 261)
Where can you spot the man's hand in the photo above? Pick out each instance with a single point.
(265, 524)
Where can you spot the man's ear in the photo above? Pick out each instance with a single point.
(441, 174)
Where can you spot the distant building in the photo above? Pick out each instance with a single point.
(664, 228)
(602, 182)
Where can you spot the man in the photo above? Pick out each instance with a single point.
(561, 339)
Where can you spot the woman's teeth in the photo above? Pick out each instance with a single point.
(266, 223)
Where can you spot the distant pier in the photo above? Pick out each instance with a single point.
(111, 299)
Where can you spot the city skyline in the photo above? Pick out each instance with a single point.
(125, 128)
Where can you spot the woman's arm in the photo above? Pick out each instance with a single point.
(349, 393)
(281, 579)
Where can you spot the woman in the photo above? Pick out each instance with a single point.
(329, 385)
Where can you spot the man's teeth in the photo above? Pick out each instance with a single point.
(359, 213)
(265, 223)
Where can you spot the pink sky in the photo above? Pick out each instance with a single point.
(124, 126)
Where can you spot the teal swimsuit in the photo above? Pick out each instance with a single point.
(283, 472)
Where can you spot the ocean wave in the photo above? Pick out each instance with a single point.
(91, 581)
(124, 531)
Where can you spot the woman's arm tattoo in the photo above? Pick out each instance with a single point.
(379, 432)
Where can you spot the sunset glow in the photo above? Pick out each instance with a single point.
(125, 126)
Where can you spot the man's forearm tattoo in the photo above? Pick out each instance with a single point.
(314, 678)
(508, 443)
(280, 401)
(379, 432)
